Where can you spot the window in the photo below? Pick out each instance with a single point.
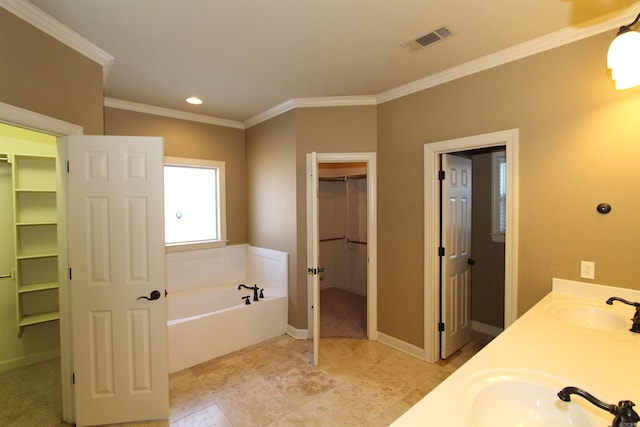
(194, 203)
(499, 195)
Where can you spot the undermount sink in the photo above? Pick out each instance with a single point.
(590, 315)
(523, 398)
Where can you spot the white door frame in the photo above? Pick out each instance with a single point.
(509, 139)
(28, 119)
(372, 238)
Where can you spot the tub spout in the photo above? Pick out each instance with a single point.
(255, 290)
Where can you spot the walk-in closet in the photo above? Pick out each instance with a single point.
(343, 250)
(29, 281)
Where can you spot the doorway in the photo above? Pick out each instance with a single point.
(342, 197)
(22, 118)
(432, 152)
(29, 279)
(313, 241)
(472, 267)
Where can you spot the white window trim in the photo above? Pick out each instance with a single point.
(496, 235)
(183, 247)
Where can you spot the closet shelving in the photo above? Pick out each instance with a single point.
(35, 238)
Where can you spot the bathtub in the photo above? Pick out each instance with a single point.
(205, 322)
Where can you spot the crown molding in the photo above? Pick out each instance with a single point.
(44, 22)
(550, 41)
(327, 101)
(47, 24)
(270, 113)
(167, 112)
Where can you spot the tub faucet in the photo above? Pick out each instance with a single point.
(254, 288)
(625, 416)
(636, 317)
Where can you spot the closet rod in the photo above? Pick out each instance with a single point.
(342, 178)
(4, 159)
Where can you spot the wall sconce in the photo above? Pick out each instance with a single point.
(624, 57)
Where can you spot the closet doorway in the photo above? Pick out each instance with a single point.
(314, 268)
(342, 208)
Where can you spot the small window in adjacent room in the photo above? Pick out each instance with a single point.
(499, 195)
(194, 203)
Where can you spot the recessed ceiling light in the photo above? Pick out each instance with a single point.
(194, 100)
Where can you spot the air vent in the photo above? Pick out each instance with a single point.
(427, 39)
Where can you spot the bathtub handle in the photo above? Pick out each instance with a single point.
(154, 295)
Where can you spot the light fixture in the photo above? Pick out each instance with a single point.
(624, 57)
(194, 100)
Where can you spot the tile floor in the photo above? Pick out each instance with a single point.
(357, 383)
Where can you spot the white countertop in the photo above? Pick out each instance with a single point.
(602, 362)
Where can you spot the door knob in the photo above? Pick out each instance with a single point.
(154, 295)
(471, 261)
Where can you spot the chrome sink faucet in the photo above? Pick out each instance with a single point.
(625, 416)
(636, 317)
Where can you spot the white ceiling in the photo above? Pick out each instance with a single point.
(243, 57)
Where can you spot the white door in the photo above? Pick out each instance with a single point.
(313, 251)
(456, 240)
(116, 255)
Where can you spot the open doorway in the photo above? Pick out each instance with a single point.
(22, 118)
(472, 218)
(30, 352)
(342, 207)
(432, 152)
(314, 268)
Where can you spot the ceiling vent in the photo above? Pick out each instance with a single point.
(428, 39)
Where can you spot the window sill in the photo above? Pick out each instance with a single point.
(497, 237)
(195, 246)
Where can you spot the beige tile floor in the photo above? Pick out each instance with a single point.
(357, 383)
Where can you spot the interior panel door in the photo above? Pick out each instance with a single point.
(456, 238)
(117, 286)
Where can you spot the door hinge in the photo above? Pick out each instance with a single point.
(441, 251)
(70, 274)
(68, 166)
(440, 327)
(73, 378)
(441, 175)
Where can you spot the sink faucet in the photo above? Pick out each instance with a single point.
(636, 317)
(625, 416)
(255, 290)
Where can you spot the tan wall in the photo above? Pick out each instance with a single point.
(276, 166)
(197, 141)
(271, 192)
(326, 130)
(578, 147)
(42, 75)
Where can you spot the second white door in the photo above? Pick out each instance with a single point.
(455, 279)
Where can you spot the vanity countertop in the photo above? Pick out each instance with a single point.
(596, 357)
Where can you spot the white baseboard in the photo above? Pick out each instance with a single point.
(401, 345)
(494, 331)
(299, 334)
(8, 365)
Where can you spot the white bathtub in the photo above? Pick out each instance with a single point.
(209, 321)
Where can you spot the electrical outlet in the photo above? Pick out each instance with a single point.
(587, 269)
